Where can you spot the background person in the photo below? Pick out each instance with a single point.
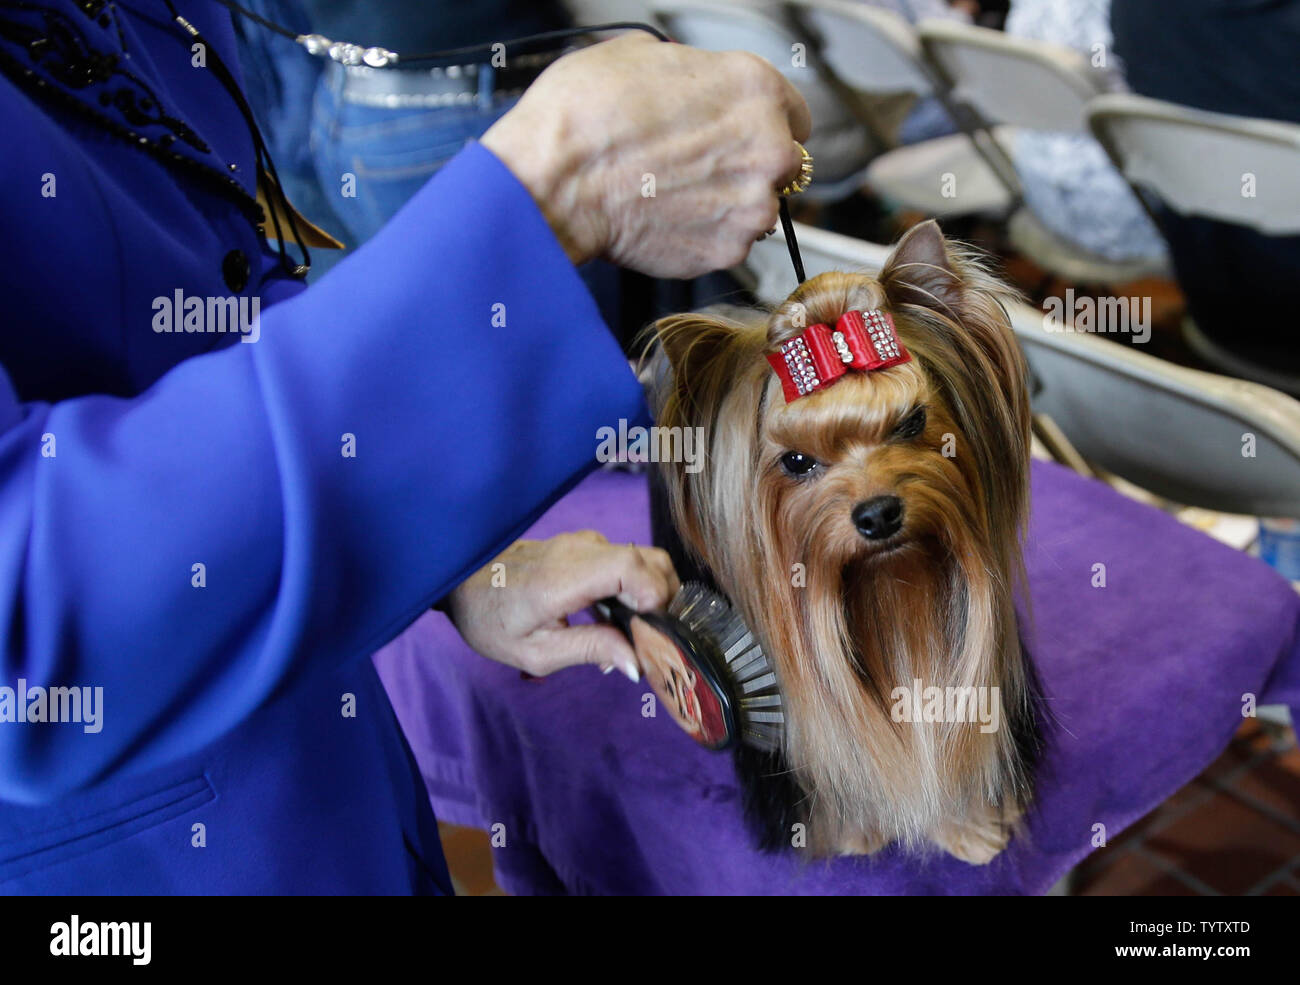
(1238, 57)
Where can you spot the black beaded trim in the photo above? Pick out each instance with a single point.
(60, 49)
(117, 21)
(220, 181)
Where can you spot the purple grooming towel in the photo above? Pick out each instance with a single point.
(1146, 678)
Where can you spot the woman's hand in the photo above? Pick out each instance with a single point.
(657, 156)
(515, 609)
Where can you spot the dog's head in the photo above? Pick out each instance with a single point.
(869, 531)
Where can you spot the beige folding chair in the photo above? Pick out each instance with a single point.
(842, 141)
(1002, 81)
(1176, 432)
(874, 52)
(608, 11)
(1228, 168)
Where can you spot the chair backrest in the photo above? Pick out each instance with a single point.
(868, 48)
(1177, 432)
(608, 11)
(1222, 167)
(728, 26)
(839, 141)
(1006, 80)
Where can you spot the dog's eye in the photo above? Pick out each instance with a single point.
(797, 464)
(912, 425)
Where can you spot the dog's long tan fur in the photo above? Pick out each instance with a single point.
(857, 620)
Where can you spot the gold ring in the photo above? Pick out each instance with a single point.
(801, 183)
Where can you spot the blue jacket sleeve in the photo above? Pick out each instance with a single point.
(394, 427)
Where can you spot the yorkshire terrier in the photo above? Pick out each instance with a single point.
(862, 503)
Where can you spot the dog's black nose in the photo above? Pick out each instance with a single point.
(879, 518)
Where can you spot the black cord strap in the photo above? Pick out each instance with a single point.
(564, 34)
(791, 242)
(267, 176)
(355, 54)
(468, 51)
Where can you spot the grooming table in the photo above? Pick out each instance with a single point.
(1145, 677)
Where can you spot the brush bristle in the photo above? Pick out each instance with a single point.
(759, 711)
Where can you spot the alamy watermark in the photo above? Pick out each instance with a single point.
(1100, 316)
(653, 444)
(74, 937)
(179, 313)
(25, 705)
(948, 704)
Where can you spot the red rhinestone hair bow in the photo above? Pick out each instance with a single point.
(820, 355)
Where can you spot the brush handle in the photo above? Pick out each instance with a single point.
(618, 615)
(709, 718)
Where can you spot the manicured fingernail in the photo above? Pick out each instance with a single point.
(607, 670)
(629, 601)
(633, 673)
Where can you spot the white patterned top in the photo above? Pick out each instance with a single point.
(1069, 181)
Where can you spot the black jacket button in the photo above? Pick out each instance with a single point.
(235, 270)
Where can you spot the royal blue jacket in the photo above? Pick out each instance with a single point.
(389, 431)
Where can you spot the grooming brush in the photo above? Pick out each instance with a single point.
(707, 668)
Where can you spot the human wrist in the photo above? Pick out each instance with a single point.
(540, 152)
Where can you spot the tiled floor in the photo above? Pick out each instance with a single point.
(1233, 830)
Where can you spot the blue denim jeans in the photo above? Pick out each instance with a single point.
(318, 139)
(369, 160)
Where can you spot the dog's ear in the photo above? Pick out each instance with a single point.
(920, 272)
(691, 342)
(966, 341)
(703, 360)
(696, 359)
(966, 320)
